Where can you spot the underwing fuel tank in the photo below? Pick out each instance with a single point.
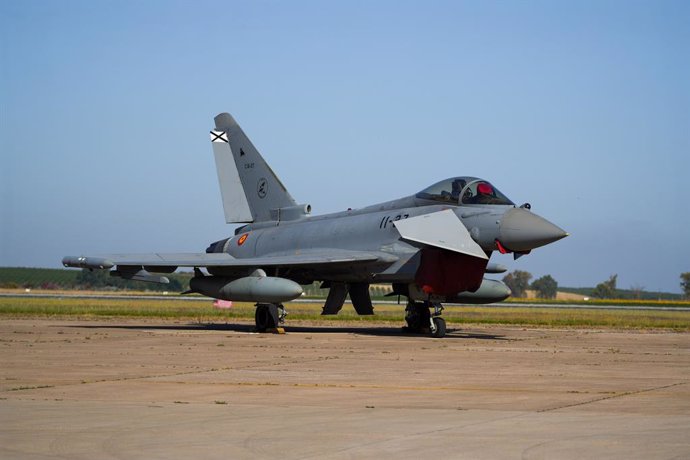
(490, 291)
(263, 289)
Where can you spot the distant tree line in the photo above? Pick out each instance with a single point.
(606, 289)
(518, 282)
(547, 288)
(685, 284)
(52, 279)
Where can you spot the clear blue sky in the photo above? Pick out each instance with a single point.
(580, 108)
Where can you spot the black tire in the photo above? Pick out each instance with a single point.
(417, 317)
(440, 324)
(266, 317)
(413, 323)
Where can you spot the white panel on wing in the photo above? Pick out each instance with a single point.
(441, 229)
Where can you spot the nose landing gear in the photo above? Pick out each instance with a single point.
(269, 317)
(420, 319)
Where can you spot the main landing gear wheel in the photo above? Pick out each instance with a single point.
(266, 317)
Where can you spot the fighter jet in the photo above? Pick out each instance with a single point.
(432, 247)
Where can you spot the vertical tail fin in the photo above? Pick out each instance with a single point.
(249, 187)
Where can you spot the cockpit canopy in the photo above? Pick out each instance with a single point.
(464, 190)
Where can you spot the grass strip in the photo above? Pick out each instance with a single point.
(199, 311)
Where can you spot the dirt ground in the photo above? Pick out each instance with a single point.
(85, 389)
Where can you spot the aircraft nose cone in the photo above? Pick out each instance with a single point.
(522, 230)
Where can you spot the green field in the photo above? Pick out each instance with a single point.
(36, 277)
(602, 302)
(58, 278)
(626, 294)
(386, 313)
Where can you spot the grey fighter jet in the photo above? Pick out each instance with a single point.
(431, 247)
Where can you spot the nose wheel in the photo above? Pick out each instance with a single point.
(420, 320)
(438, 327)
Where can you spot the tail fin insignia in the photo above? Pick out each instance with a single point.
(219, 136)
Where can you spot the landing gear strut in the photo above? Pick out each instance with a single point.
(420, 319)
(269, 316)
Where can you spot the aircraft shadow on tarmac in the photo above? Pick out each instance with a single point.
(247, 328)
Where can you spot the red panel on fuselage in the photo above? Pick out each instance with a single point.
(448, 273)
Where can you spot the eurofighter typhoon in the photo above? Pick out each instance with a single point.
(431, 247)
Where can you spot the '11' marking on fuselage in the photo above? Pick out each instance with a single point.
(388, 220)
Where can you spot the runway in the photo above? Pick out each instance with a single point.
(130, 388)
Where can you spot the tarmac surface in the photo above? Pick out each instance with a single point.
(125, 388)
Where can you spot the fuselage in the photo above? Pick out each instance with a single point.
(489, 218)
(372, 229)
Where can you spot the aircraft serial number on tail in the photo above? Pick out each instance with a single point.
(390, 219)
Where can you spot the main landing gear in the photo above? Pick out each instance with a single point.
(269, 317)
(420, 319)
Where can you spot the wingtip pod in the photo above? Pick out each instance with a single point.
(87, 262)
